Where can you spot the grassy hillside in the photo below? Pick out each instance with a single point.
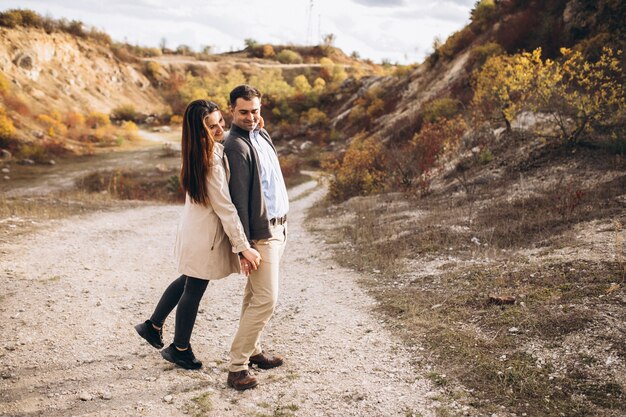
(481, 195)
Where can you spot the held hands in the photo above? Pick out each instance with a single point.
(250, 261)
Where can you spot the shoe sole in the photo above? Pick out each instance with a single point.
(144, 336)
(166, 355)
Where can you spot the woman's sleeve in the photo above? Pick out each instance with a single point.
(220, 200)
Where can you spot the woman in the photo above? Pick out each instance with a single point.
(209, 236)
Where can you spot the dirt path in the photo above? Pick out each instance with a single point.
(69, 297)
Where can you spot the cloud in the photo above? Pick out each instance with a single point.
(380, 3)
(398, 30)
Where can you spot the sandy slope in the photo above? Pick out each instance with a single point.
(69, 296)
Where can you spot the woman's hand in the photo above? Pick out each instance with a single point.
(253, 256)
(246, 266)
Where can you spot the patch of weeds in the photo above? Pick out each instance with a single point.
(291, 376)
(443, 412)
(437, 379)
(280, 411)
(202, 405)
(55, 278)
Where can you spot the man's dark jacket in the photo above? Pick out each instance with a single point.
(245, 182)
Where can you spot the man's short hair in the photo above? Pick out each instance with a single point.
(245, 92)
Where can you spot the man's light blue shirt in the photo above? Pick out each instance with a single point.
(272, 182)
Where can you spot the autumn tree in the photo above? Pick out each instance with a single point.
(579, 96)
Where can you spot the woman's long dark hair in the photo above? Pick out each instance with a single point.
(197, 150)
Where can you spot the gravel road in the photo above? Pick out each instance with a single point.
(71, 293)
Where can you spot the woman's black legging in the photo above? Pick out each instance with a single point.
(187, 293)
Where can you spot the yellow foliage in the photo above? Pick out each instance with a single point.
(130, 130)
(301, 84)
(5, 85)
(339, 74)
(56, 115)
(272, 84)
(52, 124)
(315, 117)
(319, 85)
(576, 93)
(7, 130)
(176, 120)
(96, 120)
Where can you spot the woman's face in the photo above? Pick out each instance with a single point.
(215, 123)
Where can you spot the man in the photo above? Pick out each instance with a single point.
(258, 191)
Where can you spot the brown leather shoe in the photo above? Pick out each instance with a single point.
(241, 380)
(264, 361)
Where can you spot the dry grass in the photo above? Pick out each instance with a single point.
(127, 184)
(21, 215)
(559, 349)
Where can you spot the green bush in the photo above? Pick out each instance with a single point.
(287, 56)
(479, 54)
(442, 108)
(482, 14)
(456, 43)
(20, 17)
(125, 112)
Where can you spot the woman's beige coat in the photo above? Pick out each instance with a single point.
(210, 237)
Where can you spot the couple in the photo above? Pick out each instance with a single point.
(234, 220)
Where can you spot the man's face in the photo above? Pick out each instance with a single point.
(246, 113)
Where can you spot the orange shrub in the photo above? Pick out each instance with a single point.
(290, 165)
(414, 163)
(15, 103)
(360, 172)
(176, 120)
(268, 51)
(74, 120)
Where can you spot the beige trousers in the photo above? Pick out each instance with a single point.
(259, 299)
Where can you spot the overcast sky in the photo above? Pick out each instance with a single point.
(398, 30)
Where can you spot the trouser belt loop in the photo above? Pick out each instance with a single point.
(278, 220)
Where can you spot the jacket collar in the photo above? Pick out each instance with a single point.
(239, 131)
(245, 134)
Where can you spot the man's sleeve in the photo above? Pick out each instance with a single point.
(239, 185)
